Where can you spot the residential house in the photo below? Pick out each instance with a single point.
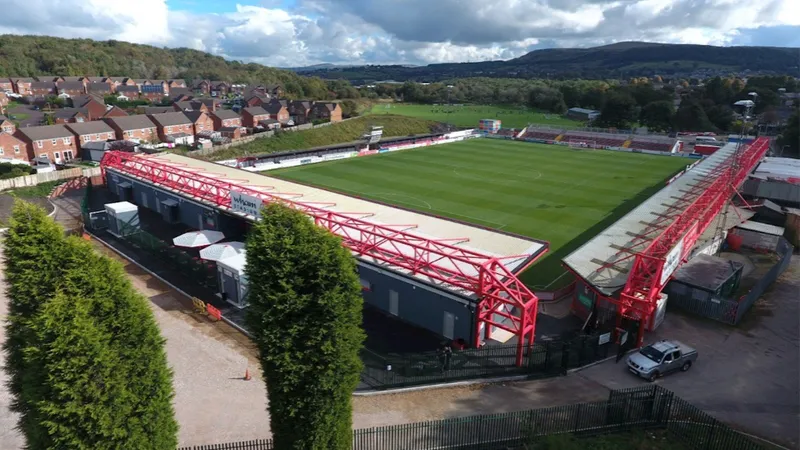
(177, 94)
(43, 88)
(127, 82)
(190, 105)
(327, 111)
(70, 80)
(3, 101)
(225, 118)
(200, 121)
(95, 106)
(231, 132)
(251, 116)
(201, 86)
(137, 127)
(255, 100)
(71, 115)
(53, 142)
(149, 110)
(6, 85)
(11, 147)
(114, 111)
(274, 90)
(255, 89)
(153, 93)
(102, 89)
(142, 82)
(96, 131)
(277, 111)
(131, 92)
(113, 82)
(212, 104)
(22, 86)
(6, 125)
(270, 124)
(174, 127)
(177, 83)
(53, 79)
(219, 88)
(71, 88)
(93, 80)
(299, 111)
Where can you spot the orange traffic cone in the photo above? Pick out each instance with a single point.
(247, 374)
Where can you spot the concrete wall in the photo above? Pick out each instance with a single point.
(418, 303)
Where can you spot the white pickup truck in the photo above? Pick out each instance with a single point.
(661, 358)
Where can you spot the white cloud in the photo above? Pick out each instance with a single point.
(403, 31)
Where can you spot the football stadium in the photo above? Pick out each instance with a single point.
(462, 233)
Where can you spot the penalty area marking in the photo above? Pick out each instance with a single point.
(389, 196)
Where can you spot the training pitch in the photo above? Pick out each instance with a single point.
(547, 192)
(469, 115)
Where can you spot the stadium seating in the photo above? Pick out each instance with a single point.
(599, 141)
(538, 134)
(651, 145)
(507, 132)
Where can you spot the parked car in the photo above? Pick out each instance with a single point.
(661, 358)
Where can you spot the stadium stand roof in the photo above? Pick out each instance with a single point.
(485, 241)
(601, 261)
(783, 169)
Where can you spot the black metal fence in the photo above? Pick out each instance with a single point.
(728, 310)
(545, 358)
(642, 408)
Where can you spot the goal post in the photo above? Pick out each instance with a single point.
(582, 143)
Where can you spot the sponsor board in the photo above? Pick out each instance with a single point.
(245, 203)
(305, 161)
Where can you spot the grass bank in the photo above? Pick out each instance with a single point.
(350, 130)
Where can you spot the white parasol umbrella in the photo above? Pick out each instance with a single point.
(200, 238)
(223, 250)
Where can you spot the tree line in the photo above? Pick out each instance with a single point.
(86, 360)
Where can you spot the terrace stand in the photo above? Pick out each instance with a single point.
(503, 301)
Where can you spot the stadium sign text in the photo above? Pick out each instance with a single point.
(245, 203)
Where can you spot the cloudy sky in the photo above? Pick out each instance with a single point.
(288, 33)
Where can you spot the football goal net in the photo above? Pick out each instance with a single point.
(582, 143)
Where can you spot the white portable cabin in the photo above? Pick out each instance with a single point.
(232, 280)
(123, 218)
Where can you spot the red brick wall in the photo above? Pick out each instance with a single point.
(237, 122)
(94, 137)
(252, 121)
(145, 134)
(8, 142)
(204, 123)
(95, 109)
(174, 129)
(49, 149)
(282, 116)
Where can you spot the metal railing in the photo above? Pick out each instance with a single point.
(641, 408)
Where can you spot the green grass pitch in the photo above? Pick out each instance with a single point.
(547, 192)
(469, 115)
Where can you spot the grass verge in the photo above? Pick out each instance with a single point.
(469, 115)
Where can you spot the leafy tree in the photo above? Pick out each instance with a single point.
(721, 116)
(305, 310)
(791, 136)
(619, 111)
(87, 360)
(657, 116)
(691, 117)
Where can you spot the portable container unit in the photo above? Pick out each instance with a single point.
(489, 125)
(123, 218)
(232, 280)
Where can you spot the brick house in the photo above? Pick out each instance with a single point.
(173, 127)
(71, 115)
(113, 82)
(71, 88)
(153, 93)
(218, 88)
(6, 125)
(3, 101)
(225, 118)
(55, 142)
(277, 111)
(43, 88)
(127, 82)
(177, 94)
(95, 106)
(190, 105)
(142, 82)
(253, 115)
(299, 111)
(101, 89)
(71, 80)
(132, 92)
(201, 86)
(274, 90)
(231, 132)
(212, 104)
(327, 111)
(255, 100)
(97, 131)
(11, 147)
(115, 111)
(200, 121)
(53, 79)
(138, 127)
(22, 86)
(177, 83)
(6, 85)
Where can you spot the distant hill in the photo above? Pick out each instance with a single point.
(624, 59)
(27, 56)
